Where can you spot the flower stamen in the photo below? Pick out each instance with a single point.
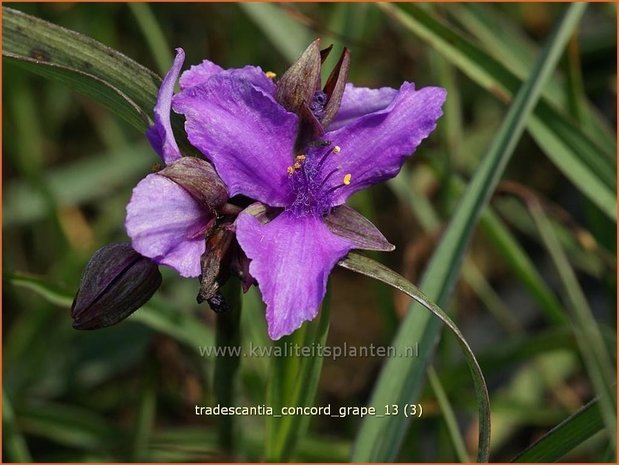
(347, 179)
(270, 74)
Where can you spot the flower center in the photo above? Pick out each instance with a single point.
(308, 181)
(317, 106)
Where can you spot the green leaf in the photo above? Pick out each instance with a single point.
(294, 382)
(566, 436)
(400, 381)
(16, 448)
(69, 426)
(86, 65)
(287, 35)
(164, 318)
(591, 343)
(76, 183)
(591, 168)
(373, 269)
(227, 338)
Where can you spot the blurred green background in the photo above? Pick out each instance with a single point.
(127, 393)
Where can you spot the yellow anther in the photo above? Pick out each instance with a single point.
(337, 149)
(300, 157)
(270, 74)
(297, 166)
(347, 179)
(290, 170)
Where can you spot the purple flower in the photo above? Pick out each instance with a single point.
(252, 131)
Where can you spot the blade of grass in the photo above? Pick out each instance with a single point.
(564, 437)
(145, 417)
(296, 386)
(159, 48)
(16, 448)
(516, 51)
(579, 158)
(592, 348)
(400, 381)
(69, 426)
(227, 339)
(448, 415)
(32, 40)
(76, 183)
(373, 269)
(164, 318)
(288, 36)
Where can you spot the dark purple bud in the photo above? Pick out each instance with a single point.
(217, 303)
(214, 271)
(334, 88)
(301, 80)
(347, 223)
(116, 282)
(199, 178)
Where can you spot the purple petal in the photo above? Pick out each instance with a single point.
(291, 260)
(373, 147)
(245, 133)
(199, 74)
(167, 225)
(359, 101)
(160, 134)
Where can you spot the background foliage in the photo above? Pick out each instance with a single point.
(541, 266)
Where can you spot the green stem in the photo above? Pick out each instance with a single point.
(227, 339)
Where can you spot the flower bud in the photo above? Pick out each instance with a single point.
(116, 282)
(299, 83)
(213, 262)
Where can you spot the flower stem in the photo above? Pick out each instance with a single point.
(227, 361)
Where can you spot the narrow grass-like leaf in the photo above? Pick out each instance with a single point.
(69, 426)
(178, 325)
(227, 338)
(580, 159)
(99, 71)
(76, 183)
(592, 348)
(15, 447)
(379, 439)
(91, 86)
(299, 390)
(516, 51)
(448, 414)
(286, 35)
(566, 436)
(161, 51)
(373, 269)
(145, 417)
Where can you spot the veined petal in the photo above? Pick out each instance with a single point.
(166, 224)
(160, 134)
(199, 74)
(373, 147)
(291, 260)
(359, 101)
(245, 133)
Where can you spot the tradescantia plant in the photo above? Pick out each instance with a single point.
(297, 151)
(276, 160)
(254, 186)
